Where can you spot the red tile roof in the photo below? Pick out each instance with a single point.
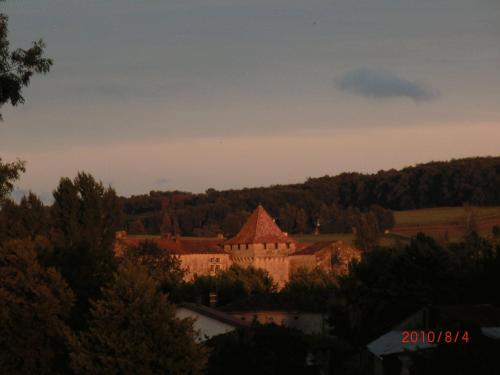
(313, 249)
(260, 228)
(181, 246)
(334, 245)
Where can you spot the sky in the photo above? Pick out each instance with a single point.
(197, 94)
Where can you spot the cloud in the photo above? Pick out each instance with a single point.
(161, 182)
(381, 84)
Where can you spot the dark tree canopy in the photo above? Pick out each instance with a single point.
(18, 66)
(85, 217)
(331, 201)
(133, 330)
(266, 350)
(35, 302)
(388, 285)
(161, 265)
(9, 173)
(233, 284)
(26, 220)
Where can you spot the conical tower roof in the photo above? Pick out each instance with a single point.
(259, 228)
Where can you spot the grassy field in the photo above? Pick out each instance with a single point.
(434, 222)
(385, 240)
(442, 215)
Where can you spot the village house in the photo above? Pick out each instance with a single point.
(391, 352)
(260, 243)
(209, 322)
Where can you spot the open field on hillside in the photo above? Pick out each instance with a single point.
(438, 222)
(445, 222)
(442, 215)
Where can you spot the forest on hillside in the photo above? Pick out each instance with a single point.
(336, 203)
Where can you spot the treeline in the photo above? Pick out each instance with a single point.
(69, 306)
(335, 203)
(213, 213)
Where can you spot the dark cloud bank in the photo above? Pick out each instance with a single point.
(376, 83)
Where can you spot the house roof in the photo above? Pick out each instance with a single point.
(391, 343)
(313, 249)
(260, 228)
(491, 332)
(179, 245)
(215, 314)
(486, 317)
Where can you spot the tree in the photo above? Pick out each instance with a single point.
(267, 349)
(28, 219)
(311, 290)
(367, 231)
(18, 66)
(35, 303)
(133, 329)
(9, 173)
(85, 217)
(161, 265)
(233, 284)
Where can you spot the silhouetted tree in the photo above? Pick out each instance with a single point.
(311, 290)
(162, 266)
(268, 349)
(18, 66)
(133, 329)
(85, 218)
(9, 173)
(367, 231)
(234, 283)
(35, 301)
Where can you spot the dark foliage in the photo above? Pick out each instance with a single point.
(9, 173)
(265, 350)
(390, 284)
(35, 304)
(162, 266)
(231, 285)
(133, 330)
(85, 217)
(327, 201)
(17, 67)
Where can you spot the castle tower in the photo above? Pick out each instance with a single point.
(261, 243)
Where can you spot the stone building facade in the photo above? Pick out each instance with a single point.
(260, 243)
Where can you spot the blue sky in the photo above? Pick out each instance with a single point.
(196, 94)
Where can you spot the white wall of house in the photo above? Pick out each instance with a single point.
(207, 327)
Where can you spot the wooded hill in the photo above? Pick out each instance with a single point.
(336, 202)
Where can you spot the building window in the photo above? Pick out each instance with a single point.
(265, 246)
(276, 245)
(217, 267)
